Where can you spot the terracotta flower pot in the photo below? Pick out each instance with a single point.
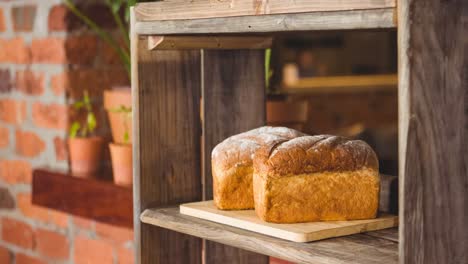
(119, 122)
(85, 155)
(122, 164)
(286, 113)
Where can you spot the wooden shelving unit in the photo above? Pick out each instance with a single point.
(95, 199)
(172, 164)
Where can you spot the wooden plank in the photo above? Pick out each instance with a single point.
(183, 10)
(167, 145)
(95, 199)
(345, 81)
(389, 234)
(231, 105)
(334, 20)
(298, 232)
(208, 42)
(360, 248)
(433, 137)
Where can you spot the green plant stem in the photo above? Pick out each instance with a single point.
(123, 54)
(122, 28)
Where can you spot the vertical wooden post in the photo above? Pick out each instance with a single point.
(233, 102)
(167, 131)
(433, 131)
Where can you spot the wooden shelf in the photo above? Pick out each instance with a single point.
(372, 247)
(95, 199)
(343, 84)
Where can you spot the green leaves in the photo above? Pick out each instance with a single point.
(90, 123)
(75, 127)
(127, 112)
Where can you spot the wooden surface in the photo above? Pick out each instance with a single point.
(94, 199)
(176, 10)
(232, 105)
(167, 146)
(334, 20)
(299, 232)
(343, 84)
(359, 248)
(208, 42)
(433, 116)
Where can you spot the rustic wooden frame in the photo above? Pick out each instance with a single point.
(433, 107)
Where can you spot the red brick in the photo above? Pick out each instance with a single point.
(83, 223)
(57, 18)
(61, 150)
(125, 256)
(26, 207)
(40, 213)
(52, 244)
(14, 50)
(58, 218)
(5, 255)
(28, 144)
(4, 137)
(30, 82)
(88, 251)
(48, 50)
(2, 21)
(23, 17)
(15, 171)
(12, 111)
(81, 49)
(95, 81)
(50, 115)
(114, 233)
(18, 233)
(59, 82)
(5, 81)
(25, 259)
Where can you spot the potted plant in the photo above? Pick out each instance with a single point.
(84, 146)
(121, 149)
(115, 101)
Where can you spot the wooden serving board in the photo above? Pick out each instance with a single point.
(300, 232)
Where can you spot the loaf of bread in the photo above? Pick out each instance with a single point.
(316, 178)
(232, 166)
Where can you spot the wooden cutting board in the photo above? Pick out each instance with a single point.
(300, 232)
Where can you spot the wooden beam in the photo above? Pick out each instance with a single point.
(333, 20)
(95, 199)
(231, 105)
(167, 164)
(183, 10)
(433, 131)
(208, 42)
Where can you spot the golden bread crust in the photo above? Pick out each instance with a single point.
(310, 154)
(232, 165)
(316, 178)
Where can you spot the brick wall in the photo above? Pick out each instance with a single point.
(47, 58)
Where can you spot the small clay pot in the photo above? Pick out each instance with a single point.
(122, 164)
(119, 122)
(291, 114)
(85, 156)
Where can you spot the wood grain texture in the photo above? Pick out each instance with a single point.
(297, 232)
(233, 102)
(176, 10)
(167, 144)
(360, 248)
(208, 42)
(99, 200)
(334, 20)
(433, 131)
